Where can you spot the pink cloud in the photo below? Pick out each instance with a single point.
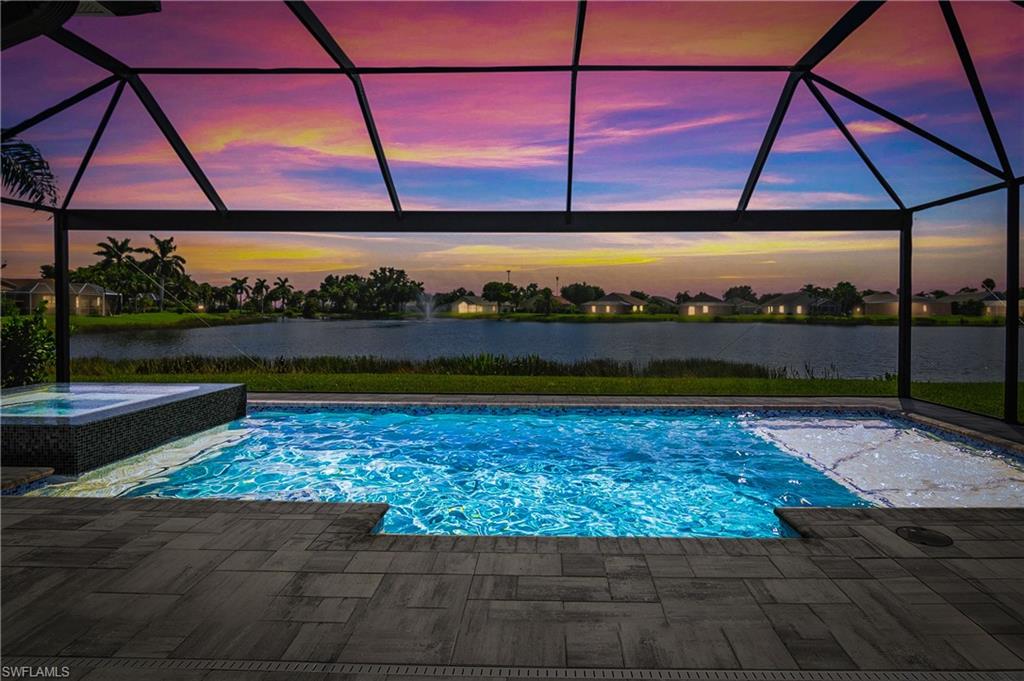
(451, 33)
(705, 32)
(185, 33)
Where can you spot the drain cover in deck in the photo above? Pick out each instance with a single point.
(924, 536)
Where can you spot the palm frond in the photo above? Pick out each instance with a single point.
(26, 174)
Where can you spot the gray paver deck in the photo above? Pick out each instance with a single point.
(236, 589)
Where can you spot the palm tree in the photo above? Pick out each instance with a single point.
(259, 291)
(26, 174)
(163, 262)
(282, 289)
(240, 286)
(222, 295)
(114, 251)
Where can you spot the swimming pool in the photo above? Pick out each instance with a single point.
(505, 471)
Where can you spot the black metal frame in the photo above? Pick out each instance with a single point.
(898, 219)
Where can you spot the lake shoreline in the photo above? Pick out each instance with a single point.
(827, 320)
(150, 321)
(153, 321)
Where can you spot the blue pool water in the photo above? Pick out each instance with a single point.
(507, 472)
(78, 399)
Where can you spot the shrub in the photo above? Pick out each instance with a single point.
(27, 348)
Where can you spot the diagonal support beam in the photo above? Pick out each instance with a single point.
(84, 48)
(312, 23)
(581, 17)
(853, 142)
(93, 143)
(907, 125)
(769, 138)
(15, 130)
(969, 194)
(174, 139)
(97, 56)
(972, 77)
(846, 25)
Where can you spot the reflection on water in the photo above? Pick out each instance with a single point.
(940, 353)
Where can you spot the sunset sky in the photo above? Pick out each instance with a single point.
(644, 140)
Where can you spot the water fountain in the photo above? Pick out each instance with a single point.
(425, 301)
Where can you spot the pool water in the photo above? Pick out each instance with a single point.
(66, 400)
(498, 472)
(57, 406)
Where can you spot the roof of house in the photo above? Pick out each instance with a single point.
(971, 295)
(737, 301)
(662, 300)
(886, 297)
(704, 298)
(618, 299)
(539, 299)
(786, 298)
(46, 286)
(474, 300)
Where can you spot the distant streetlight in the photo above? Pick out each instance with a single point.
(508, 276)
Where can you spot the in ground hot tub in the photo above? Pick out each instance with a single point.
(74, 427)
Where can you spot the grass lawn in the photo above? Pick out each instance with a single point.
(548, 385)
(983, 398)
(160, 320)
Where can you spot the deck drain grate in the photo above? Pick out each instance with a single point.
(924, 536)
(449, 672)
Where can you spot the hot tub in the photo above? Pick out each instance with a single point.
(75, 427)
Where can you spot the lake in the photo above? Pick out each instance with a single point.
(940, 353)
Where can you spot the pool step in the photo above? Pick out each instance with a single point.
(16, 476)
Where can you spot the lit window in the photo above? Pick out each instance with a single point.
(691, 310)
(799, 309)
(924, 308)
(704, 309)
(782, 309)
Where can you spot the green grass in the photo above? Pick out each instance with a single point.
(547, 385)
(982, 398)
(159, 320)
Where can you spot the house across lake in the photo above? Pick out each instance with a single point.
(705, 304)
(615, 303)
(86, 299)
(470, 305)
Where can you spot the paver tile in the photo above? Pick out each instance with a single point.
(332, 585)
(563, 589)
(151, 578)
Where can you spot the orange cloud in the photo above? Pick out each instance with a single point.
(705, 32)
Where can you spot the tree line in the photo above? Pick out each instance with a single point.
(154, 276)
